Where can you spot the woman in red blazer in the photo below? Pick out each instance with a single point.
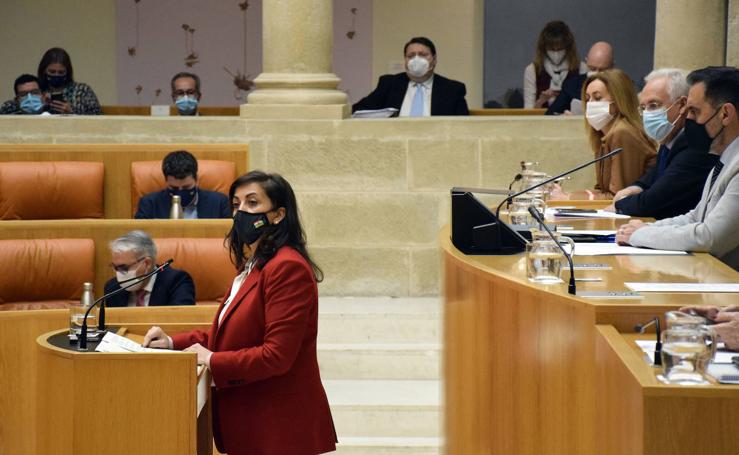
(261, 349)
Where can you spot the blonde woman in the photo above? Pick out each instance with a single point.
(612, 121)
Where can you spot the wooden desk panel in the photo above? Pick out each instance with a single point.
(19, 361)
(519, 358)
(638, 415)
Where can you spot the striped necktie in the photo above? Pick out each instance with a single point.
(716, 170)
(418, 102)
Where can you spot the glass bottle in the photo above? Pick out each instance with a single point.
(175, 213)
(77, 313)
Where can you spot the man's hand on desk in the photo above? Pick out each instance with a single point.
(624, 232)
(726, 319)
(628, 191)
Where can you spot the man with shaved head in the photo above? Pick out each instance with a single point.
(600, 58)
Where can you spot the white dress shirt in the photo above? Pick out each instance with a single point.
(426, 86)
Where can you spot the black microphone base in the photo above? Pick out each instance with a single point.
(476, 229)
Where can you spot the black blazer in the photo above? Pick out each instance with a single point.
(447, 96)
(172, 287)
(211, 204)
(571, 90)
(678, 190)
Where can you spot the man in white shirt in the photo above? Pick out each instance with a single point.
(418, 92)
(712, 119)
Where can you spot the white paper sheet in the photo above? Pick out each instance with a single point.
(588, 232)
(375, 113)
(683, 287)
(116, 343)
(602, 249)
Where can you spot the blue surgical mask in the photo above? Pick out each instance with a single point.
(656, 124)
(31, 104)
(186, 105)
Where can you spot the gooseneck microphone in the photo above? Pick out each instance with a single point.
(571, 288)
(639, 328)
(556, 177)
(82, 343)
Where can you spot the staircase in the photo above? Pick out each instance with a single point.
(379, 360)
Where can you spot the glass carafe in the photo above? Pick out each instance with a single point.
(678, 320)
(544, 258)
(685, 354)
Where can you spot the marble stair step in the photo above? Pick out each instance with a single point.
(385, 408)
(389, 446)
(379, 320)
(379, 361)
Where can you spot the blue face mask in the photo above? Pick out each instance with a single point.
(656, 124)
(186, 105)
(31, 104)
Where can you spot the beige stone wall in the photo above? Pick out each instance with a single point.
(732, 34)
(86, 29)
(373, 193)
(456, 28)
(690, 34)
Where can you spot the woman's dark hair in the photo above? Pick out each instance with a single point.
(54, 55)
(287, 232)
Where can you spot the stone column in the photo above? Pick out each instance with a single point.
(297, 79)
(689, 34)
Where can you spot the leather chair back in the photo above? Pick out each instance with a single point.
(44, 273)
(147, 177)
(206, 260)
(49, 190)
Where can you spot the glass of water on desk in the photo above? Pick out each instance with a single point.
(684, 354)
(544, 258)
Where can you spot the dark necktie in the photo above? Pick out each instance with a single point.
(716, 170)
(661, 161)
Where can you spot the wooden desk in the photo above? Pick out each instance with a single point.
(120, 403)
(19, 361)
(520, 359)
(639, 415)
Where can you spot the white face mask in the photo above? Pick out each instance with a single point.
(598, 114)
(591, 73)
(556, 57)
(418, 66)
(123, 276)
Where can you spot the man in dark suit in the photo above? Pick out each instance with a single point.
(180, 170)
(133, 256)
(600, 58)
(674, 185)
(418, 92)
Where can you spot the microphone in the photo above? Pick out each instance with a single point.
(556, 177)
(639, 328)
(571, 288)
(515, 179)
(82, 343)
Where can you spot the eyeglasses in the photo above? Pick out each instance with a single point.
(123, 267)
(178, 93)
(32, 92)
(653, 106)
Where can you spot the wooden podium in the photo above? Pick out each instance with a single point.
(121, 403)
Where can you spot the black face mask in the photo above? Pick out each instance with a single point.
(250, 226)
(57, 81)
(186, 196)
(697, 136)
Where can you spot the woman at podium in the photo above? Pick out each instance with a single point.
(261, 349)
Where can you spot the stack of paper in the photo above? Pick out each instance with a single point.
(683, 287)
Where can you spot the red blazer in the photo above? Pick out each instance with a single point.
(268, 397)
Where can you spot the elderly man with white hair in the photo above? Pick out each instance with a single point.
(134, 255)
(674, 185)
